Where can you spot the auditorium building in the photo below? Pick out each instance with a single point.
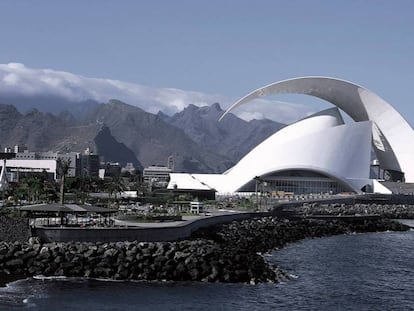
(321, 153)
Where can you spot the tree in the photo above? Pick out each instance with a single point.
(50, 191)
(33, 186)
(114, 187)
(63, 166)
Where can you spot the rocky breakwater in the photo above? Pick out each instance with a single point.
(225, 253)
(14, 228)
(265, 234)
(396, 211)
(189, 260)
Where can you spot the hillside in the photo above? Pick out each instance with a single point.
(124, 133)
(153, 140)
(232, 137)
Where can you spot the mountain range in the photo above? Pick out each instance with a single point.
(123, 133)
(54, 91)
(46, 109)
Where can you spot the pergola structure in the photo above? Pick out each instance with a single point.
(58, 214)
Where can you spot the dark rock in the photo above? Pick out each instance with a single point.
(110, 253)
(89, 253)
(14, 263)
(181, 256)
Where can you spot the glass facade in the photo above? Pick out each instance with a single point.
(302, 185)
(296, 182)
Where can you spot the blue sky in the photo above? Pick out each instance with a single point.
(226, 47)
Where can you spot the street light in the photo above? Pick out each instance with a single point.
(257, 180)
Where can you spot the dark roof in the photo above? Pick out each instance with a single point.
(66, 208)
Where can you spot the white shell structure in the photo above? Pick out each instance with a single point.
(321, 143)
(393, 137)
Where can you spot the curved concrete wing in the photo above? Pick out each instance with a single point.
(341, 152)
(393, 137)
(320, 143)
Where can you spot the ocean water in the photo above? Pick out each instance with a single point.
(373, 271)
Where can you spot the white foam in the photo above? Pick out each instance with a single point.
(42, 277)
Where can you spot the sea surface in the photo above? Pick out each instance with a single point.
(373, 271)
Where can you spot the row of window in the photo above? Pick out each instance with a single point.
(303, 186)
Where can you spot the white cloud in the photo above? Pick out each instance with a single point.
(17, 79)
(274, 110)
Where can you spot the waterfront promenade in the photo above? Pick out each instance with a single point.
(133, 228)
(202, 248)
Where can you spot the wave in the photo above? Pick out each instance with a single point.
(42, 277)
(14, 284)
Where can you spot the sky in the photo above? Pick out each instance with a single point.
(219, 47)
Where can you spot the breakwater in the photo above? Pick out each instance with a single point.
(391, 211)
(225, 253)
(265, 234)
(189, 260)
(14, 229)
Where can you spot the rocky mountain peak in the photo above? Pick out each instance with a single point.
(217, 107)
(124, 133)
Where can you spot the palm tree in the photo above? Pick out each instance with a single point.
(114, 187)
(33, 187)
(63, 166)
(49, 191)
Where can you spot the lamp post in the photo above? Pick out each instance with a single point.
(257, 180)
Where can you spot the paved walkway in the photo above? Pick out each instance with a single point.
(186, 219)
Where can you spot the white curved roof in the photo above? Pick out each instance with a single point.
(320, 143)
(393, 138)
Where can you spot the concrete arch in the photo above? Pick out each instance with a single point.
(393, 137)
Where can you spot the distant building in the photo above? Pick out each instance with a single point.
(73, 158)
(171, 163)
(17, 169)
(156, 176)
(196, 207)
(129, 167)
(111, 169)
(25, 154)
(88, 164)
(19, 148)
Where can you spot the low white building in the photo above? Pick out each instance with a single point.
(17, 167)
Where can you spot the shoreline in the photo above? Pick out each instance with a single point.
(226, 253)
(6, 279)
